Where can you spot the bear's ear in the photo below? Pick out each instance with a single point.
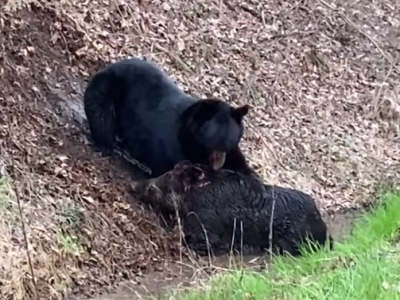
(239, 112)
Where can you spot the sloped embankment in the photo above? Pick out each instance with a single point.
(323, 83)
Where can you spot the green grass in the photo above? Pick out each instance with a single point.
(364, 266)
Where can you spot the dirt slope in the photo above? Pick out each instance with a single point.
(323, 81)
(80, 229)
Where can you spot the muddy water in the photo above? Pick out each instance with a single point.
(184, 274)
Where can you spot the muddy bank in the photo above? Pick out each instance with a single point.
(317, 123)
(84, 238)
(179, 276)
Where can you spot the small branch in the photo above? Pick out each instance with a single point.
(132, 161)
(347, 19)
(271, 223)
(180, 63)
(17, 195)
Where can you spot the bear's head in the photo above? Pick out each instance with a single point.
(211, 128)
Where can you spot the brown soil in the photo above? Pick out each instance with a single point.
(322, 82)
(84, 236)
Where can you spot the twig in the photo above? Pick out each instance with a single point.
(348, 20)
(271, 223)
(206, 236)
(181, 233)
(259, 135)
(17, 195)
(220, 9)
(133, 161)
(241, 241)
(233, 236)
(376, 104)
(181, 64)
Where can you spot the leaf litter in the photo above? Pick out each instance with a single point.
(322, 79)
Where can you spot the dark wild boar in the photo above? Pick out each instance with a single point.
(234, 210)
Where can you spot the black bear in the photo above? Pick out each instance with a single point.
(222, 211)
(133, 102)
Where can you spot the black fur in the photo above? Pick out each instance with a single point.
(157, 123)
(211, 201)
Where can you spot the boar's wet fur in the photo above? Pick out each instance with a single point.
(234, 209)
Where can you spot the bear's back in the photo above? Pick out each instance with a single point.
(148, 114)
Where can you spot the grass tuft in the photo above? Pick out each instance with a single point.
(366, 265)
